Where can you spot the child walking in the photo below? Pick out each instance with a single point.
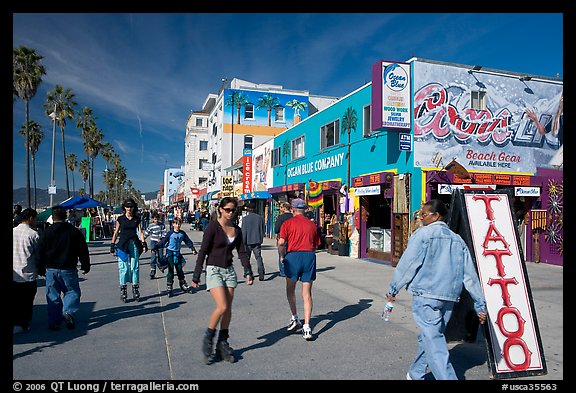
(156, 230)
(173, 242)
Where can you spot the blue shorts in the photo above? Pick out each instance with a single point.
(300, 265)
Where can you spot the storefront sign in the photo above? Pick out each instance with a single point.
(227, 186)
(527, 191)
(391, 95)
(321, 164)
(405, 142)
(247, 171)
(447, 189)
(515, 347)
(363, 191)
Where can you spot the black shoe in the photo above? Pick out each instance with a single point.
(261, 277)
(69, 319)
(208, 346)
(184, 286)
(124, 293)
(54, 326)
(152, 274)
(136, 292)
(169, 289)
(224, 351)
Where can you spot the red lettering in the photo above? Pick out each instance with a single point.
(504, 282)
(497, 254)
(506, 353)
(487, 199)
(497, 237)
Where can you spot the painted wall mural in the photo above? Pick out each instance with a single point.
(517, 130)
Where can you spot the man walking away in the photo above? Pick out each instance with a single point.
(253, 229)
(299, 258)
(24, 270)
(285, 214)
(61, 247)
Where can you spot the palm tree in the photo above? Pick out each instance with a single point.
(26, 77)
(107, 154)
(92, 146)
(85, 173)
(236, 99)
(35, 137)
(349, 122)
(297, 106)
(286, 153)
(64, 103)
(267, 101)
(72, 162)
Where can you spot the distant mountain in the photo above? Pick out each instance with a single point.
(19, 197)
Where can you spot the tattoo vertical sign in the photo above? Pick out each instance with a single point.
(514, 343)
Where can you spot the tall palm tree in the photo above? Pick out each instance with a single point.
(349, 123)
(107, 151)
(27, 74)
(65, 104)
(92, 146)
(267, 101)
(84, 172)
(35, 137)
(297, 106)
(72, 162)
(286, 153)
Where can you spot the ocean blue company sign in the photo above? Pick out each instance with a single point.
(391, 93)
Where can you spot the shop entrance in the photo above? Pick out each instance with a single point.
(378, 216)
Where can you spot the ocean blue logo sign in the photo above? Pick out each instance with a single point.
(395, 78)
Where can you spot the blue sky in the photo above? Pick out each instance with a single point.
(143, 73)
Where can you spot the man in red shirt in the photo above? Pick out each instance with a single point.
(299, 260)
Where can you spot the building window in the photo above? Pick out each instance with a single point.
(249, 111)
(276, 157)
(478, 100)
(330, 134)
(279, 114)
(213, 158)
(298, 147)
(367, 121)
(214, 129)
(203, 145)
(198, 122)
(202, 163)
(248, 140)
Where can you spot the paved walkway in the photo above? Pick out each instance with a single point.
(159, 338)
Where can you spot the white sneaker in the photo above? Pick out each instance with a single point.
(294, 325)
(408, 377)
(307, 334)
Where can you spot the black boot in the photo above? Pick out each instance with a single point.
(152, 274)
(136, 292)
(208, 345)
(169, 289)
(184, 286)
(124, 293)
(223, 349)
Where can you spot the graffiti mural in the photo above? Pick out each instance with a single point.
(486, 122)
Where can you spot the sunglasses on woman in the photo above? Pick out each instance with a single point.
(229, 210)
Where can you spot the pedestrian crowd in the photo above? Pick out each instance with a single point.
(434, 268)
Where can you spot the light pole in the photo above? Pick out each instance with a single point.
(53, 116)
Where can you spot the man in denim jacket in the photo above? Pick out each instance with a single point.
(434, 267)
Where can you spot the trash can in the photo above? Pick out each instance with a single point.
(86, 223)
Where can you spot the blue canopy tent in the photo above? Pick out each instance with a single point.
(81, 202)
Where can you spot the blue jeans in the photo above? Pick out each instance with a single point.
(155, 256)
(59, 282)
(432, 316)
(129, 270)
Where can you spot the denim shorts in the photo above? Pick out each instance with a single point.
(217, 276)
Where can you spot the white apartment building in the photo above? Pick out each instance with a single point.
(196, 154)
(173, 177)
(245, 115)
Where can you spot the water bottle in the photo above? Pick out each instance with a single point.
(387, 311)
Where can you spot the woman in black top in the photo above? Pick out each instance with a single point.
(220, 238)
(130, 245)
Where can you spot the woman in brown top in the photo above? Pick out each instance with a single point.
(220, 238)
